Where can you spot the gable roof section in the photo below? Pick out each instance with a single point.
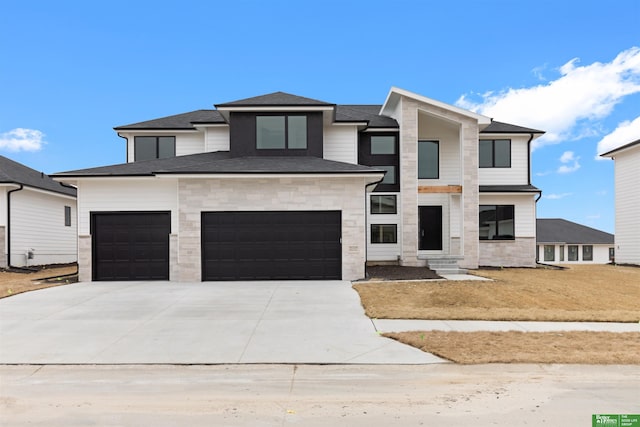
(178, 122)
(557, 230)
(622, 148)
(275, 99)
(222, 163)
(500, 127)
(16, 173)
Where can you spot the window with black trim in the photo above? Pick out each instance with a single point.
(386, 204)
(384, 233)
(428, 159)
(497, 222)
(572, 253)
(495, 153)
(380, 150)
(587, 252)
(154, 147)
(281, 132)
(67, 216)
(549, 252)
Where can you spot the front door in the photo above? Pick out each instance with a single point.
(430, 236)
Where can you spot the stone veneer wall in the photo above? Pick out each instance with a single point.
(84, 258)
(3, 254)
(409, 181)
(271, 194)
(520, 252)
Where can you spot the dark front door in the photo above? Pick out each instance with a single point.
(430, 237)
(271, 245)
(131, 246)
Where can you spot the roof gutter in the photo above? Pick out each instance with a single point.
(9, 222)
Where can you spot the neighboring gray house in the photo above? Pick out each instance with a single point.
(565, 242)
(285, 187)
(627, 182)
(37, 218)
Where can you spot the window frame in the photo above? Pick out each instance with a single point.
(379, 160)
(497, 223)
(569, 257)
(552, 254)
(157, 147)
(585, 256)
(67, 216)
(561, 253)
(380, 196)
(286, 132)
(381, 233)
(437, 145)
(493, 153)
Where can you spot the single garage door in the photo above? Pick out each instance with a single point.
(131, 246)
(271, 245)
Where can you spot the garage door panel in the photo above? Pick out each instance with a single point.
(131, 246)
(271, 245)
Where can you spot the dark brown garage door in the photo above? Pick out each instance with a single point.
(131, 246)
(271, 245)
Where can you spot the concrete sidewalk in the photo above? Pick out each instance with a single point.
(393, 325)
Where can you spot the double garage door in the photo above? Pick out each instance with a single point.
(235, 245)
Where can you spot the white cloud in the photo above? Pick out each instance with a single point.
(21, 139)
(556, 196)
(568, 107)
(626, 132)
(570, 162)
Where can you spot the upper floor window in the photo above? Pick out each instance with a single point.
(428, 159)
(281, 132)
(386, 204)
(154, 147)
(497, 222)
(67, 216)
(380, 150)
(495, 153)
(384, 144)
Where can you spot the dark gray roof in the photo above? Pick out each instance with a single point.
(222, 163)
(273, 99)
(16, 173)
(556, 230)
(178, 121)
(364, 113)
(500, 127)
(629, 145)
(509, 189)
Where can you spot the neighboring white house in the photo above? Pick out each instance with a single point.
(37, 218)
(627, 184)
(565, 242)
(285, 187)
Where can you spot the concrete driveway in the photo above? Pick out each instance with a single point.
(195, 323)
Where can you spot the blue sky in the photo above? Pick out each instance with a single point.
(70, 71)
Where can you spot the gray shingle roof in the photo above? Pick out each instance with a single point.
(273, 99)
(623, 147)
(509, 189)
(500, 127)
(178, 121)
(556, 230)
(16, 173)
(364, 113)
(222, 163)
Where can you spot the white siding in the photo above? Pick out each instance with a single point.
(341, 143)
(217, 138)
(448, 136)
(627, 178)
(38, 223)
(518, 173)
(524, 210)
(383, 251)
(127, 195)
(189, 143)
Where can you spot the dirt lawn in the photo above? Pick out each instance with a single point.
(580, 293)
(15, 283)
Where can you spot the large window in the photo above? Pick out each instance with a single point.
(384, 144)
(549, 252)
(380, 151)
(281, 132)
(497, 222)
(384, 233)
(587, 253)
(384, 204)
(572, 252)
(428, 159)
(154, 147)
(495, 153)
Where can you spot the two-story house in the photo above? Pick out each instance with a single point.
(285, 187)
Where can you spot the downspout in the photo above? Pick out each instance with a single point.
(127, 144)
(9, 223)
(366, 224)
(529, 158)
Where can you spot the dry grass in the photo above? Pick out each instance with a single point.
(15, 283)
(527, 347)
(581, 293)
